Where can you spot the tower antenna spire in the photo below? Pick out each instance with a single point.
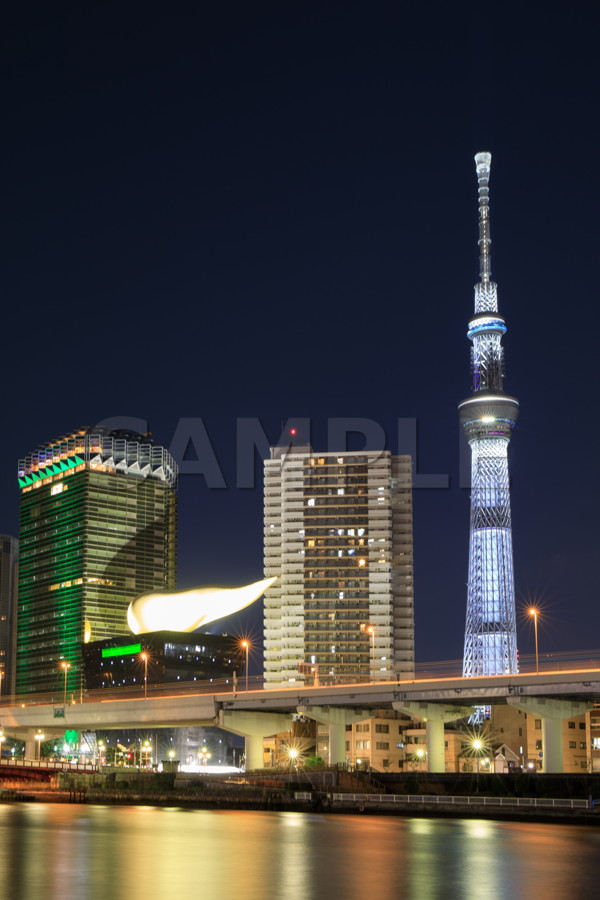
(488, 417)
(483, 162)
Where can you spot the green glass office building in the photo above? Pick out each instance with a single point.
(98, 527)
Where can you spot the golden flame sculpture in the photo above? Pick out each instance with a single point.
(188, 610)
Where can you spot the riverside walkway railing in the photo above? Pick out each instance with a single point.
(55, 764)
(437, 800)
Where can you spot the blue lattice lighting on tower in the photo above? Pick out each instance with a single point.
(488, 418)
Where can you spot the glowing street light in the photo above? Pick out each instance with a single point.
(534, 612)
(147, 749)
(144, 658)
(204, 756)
(2, 739)
(372, 631)
(293, 756)
(477, 745)
(101, 749)
(65, 666)
(245, 645)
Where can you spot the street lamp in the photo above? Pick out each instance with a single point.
(146, 748)
(65, 666)
(534, 612)
(477, 745)
(144, 658)
(245, 645)
(204, 756)
(293, 758)
(372, 631)
(39, 738)
(101, 749)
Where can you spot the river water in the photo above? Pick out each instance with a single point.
(62, 852)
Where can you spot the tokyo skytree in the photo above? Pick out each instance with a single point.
(487, 419)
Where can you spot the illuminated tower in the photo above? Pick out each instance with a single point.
(97, 528)
(488, 418)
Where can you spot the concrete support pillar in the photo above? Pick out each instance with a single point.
(337, 744)
(254, 727)
(552, 712)
(336, 718)
(434, 731)
(435, 715)
(552, 743)
(254, 746)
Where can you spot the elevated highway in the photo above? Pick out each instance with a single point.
(255, 714)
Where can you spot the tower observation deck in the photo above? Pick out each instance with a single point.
(488, 417)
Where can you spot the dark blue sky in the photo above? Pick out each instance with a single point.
(269, 210)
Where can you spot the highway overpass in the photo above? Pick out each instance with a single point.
(551, 696)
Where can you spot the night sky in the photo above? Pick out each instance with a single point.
(269, 210)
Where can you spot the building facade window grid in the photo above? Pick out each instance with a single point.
(88, 549)
(338, 534)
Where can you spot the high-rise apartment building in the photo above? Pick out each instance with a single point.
(98, 526)
(338, 534)
(9, 552)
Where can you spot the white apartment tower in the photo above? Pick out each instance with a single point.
(338, 534)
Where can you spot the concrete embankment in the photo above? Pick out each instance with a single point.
(269, 791)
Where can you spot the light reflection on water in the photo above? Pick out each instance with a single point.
(62, 852)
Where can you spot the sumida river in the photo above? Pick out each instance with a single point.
(62, 852)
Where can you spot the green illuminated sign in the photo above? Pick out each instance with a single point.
(121, 651)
